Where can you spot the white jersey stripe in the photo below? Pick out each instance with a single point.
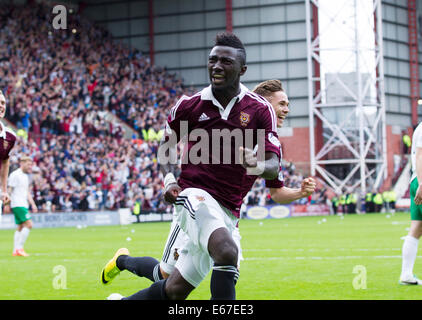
(173, 110)
(272, 113)
(10, 131)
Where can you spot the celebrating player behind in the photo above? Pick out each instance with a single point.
(272, 90)
(410, 245)
(21, 197)
(208, 199)
(154, 270)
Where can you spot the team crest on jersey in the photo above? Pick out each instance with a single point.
(200, 198)
(176, 254)
(244, 119)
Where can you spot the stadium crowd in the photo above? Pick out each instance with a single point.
(62, 86)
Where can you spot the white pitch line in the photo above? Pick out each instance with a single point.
(323, 258)
(324, 250)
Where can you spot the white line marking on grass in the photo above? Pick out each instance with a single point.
(323, 258)
(322, 249)
(399, 222)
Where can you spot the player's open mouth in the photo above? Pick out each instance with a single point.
(217, 78)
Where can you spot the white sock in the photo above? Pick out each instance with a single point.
(24, 235)
(16, 240)
(409, 252)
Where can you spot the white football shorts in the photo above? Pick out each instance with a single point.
(175, 242)
(196, 216)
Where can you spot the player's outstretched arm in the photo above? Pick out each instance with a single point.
(285, 195)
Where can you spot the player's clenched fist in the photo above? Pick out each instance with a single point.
(307, 186)
(247, 157)
(171, 193)
(171, 188)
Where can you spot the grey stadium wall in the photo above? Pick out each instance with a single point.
(396, 62)
(397, 76)
(182, 33)
(273, 32)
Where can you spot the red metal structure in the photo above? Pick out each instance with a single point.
(151, 30)
(229, 16)
(319, 140)
(413, 59)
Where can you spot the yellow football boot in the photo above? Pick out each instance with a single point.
(110, 271)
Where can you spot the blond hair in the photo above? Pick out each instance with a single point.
(25, 159)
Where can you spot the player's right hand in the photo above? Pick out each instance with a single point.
(172, 192)
(34, 209)
(418, 196)
(307, 187)
(5, 197)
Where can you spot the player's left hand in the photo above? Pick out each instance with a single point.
(171, 193)
(34, 209)
(308, 186)
(247, 158)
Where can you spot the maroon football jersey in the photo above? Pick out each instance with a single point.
(279, 182)
(7, 141)
(227, 181)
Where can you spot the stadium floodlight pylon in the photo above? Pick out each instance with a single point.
(346, 95)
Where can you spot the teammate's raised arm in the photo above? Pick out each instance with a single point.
(285, 195)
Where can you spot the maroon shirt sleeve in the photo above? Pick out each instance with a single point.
(268, 121)
(12, 144)
(272, 144)
(276, 183)
(279, 181)
(180, 112)
(7, 145)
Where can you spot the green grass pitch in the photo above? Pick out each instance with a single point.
(357, 257)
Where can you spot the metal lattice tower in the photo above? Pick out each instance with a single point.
(346, 95)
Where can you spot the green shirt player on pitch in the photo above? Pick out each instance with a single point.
(410, 245)
(20, 198)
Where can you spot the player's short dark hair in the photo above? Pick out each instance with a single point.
(268, 87)
(229, 39)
